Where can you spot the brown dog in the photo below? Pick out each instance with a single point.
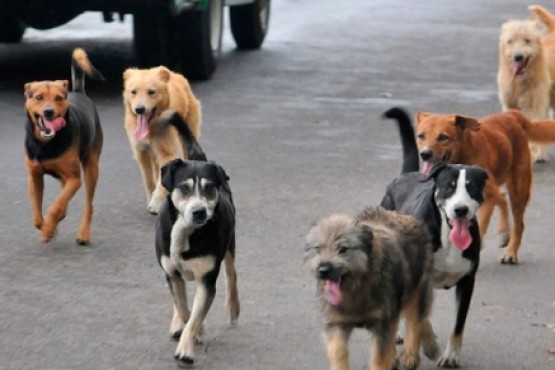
(147, 94)
(499, 144)
(63, 136)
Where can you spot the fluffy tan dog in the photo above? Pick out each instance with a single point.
(548, 43)
(147, 94)
(523, 79)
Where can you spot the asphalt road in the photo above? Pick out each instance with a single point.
(297, 126)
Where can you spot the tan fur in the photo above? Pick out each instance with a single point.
(80, 56)
(530, 90)
(498, 143)
(158, 89)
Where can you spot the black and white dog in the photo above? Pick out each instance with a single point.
(446, 201)
(195, 232)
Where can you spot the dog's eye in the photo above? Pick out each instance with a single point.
(59, 98)
(133, 92)
(210, 190)
(526, 41)
(342, 250)
(421, 137)
(39, 97)
(151, 92)
(185, 189)
(442, 137)
(509, 42)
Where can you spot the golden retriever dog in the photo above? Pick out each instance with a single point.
(548, 44)
(523, 79)
(147, 94)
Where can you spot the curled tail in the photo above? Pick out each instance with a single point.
(410, 150)
(173, 118)
(542, 132)
(81, 66)
(543, 16)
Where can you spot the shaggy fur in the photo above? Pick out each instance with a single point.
(548, 44)
(523, 79)
(147, 94)
(370, 270)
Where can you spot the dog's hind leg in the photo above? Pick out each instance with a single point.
(91, 172)
(383, 346)
(204, 296)
(337, 338)
(519, 192)
(491, 199)
(451, 356)
(504, 229)
(181, 313)
(232, 298)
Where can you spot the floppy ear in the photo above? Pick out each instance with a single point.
(164, 74)
(167, 173)
(482, 173)
(27, 92)
(222, 176)
(470, 123)
(422, 115)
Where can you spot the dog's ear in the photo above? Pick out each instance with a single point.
(422, 115)
(462, 122)
(482, 174)
(167, 173)
(366, 235)
(222, 176)
(164, 74)
(127, 73)
(28, 90)
(62, 83)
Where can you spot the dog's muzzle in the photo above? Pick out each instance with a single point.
(199, 216)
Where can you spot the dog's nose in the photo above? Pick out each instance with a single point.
(199, 215)
(140, 109)
(426, 154)
(324, 271)
(48, 113)
(461, 211)
(519, 58)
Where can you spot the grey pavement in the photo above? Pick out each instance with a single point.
(297, 127)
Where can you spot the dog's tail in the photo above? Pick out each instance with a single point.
(543, 16)
(81, 66)
(542, 132)
(408, 141)
(173, 118)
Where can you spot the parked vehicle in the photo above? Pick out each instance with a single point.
(185, 35)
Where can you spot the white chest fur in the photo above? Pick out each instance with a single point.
(449, 264)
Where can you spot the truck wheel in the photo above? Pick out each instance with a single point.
(11, 29)
(249, 23)
(152, 35)
(199, 40)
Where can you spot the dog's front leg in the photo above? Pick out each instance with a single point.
(36, 190)
(337, 338)
(145, 159)
(58, 208)
(451, 356)
(204, 296)
(383, 346)
(181, 312)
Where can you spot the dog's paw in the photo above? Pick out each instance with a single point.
(508, 260)
(154, 205)
(410, 361)
(37, 222)
(541, 160)
(449, 359)
(46, 233)
(183, 355)
(80, 241)
(430, 348)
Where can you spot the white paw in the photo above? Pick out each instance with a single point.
(184, 352)
(155, 205)
(450, 358)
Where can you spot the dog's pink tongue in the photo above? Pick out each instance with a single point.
(460, 235)
(56, 124)
(142, 127)
(517, 67)
(332, 292)
(426, 168)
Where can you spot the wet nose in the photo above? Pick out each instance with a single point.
(48, 113)
(324, 271)
(461, 211)
(426, 154)
(140, 109)
(199, 215)
(519, 57)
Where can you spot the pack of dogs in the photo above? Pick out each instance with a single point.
(371, 269)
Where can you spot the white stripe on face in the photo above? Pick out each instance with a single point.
(461, 198)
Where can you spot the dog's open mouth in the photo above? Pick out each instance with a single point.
(143, 121)
(428, 165)
(518, 67)
(48, 128)
(332, 290)
(460, 233)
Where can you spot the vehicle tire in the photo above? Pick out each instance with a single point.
(152, 36)
(11, 29)
(249, 23)
(198, 37)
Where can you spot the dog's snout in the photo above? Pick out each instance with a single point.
(519, 57)
(461, 211)
(140, 109)
(426, 154)
(199, 215)
(324, 271)
(48, 113)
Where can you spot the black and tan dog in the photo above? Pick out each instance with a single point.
(63, 137)
(371, 269)
(195, 232)
(446, 200)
